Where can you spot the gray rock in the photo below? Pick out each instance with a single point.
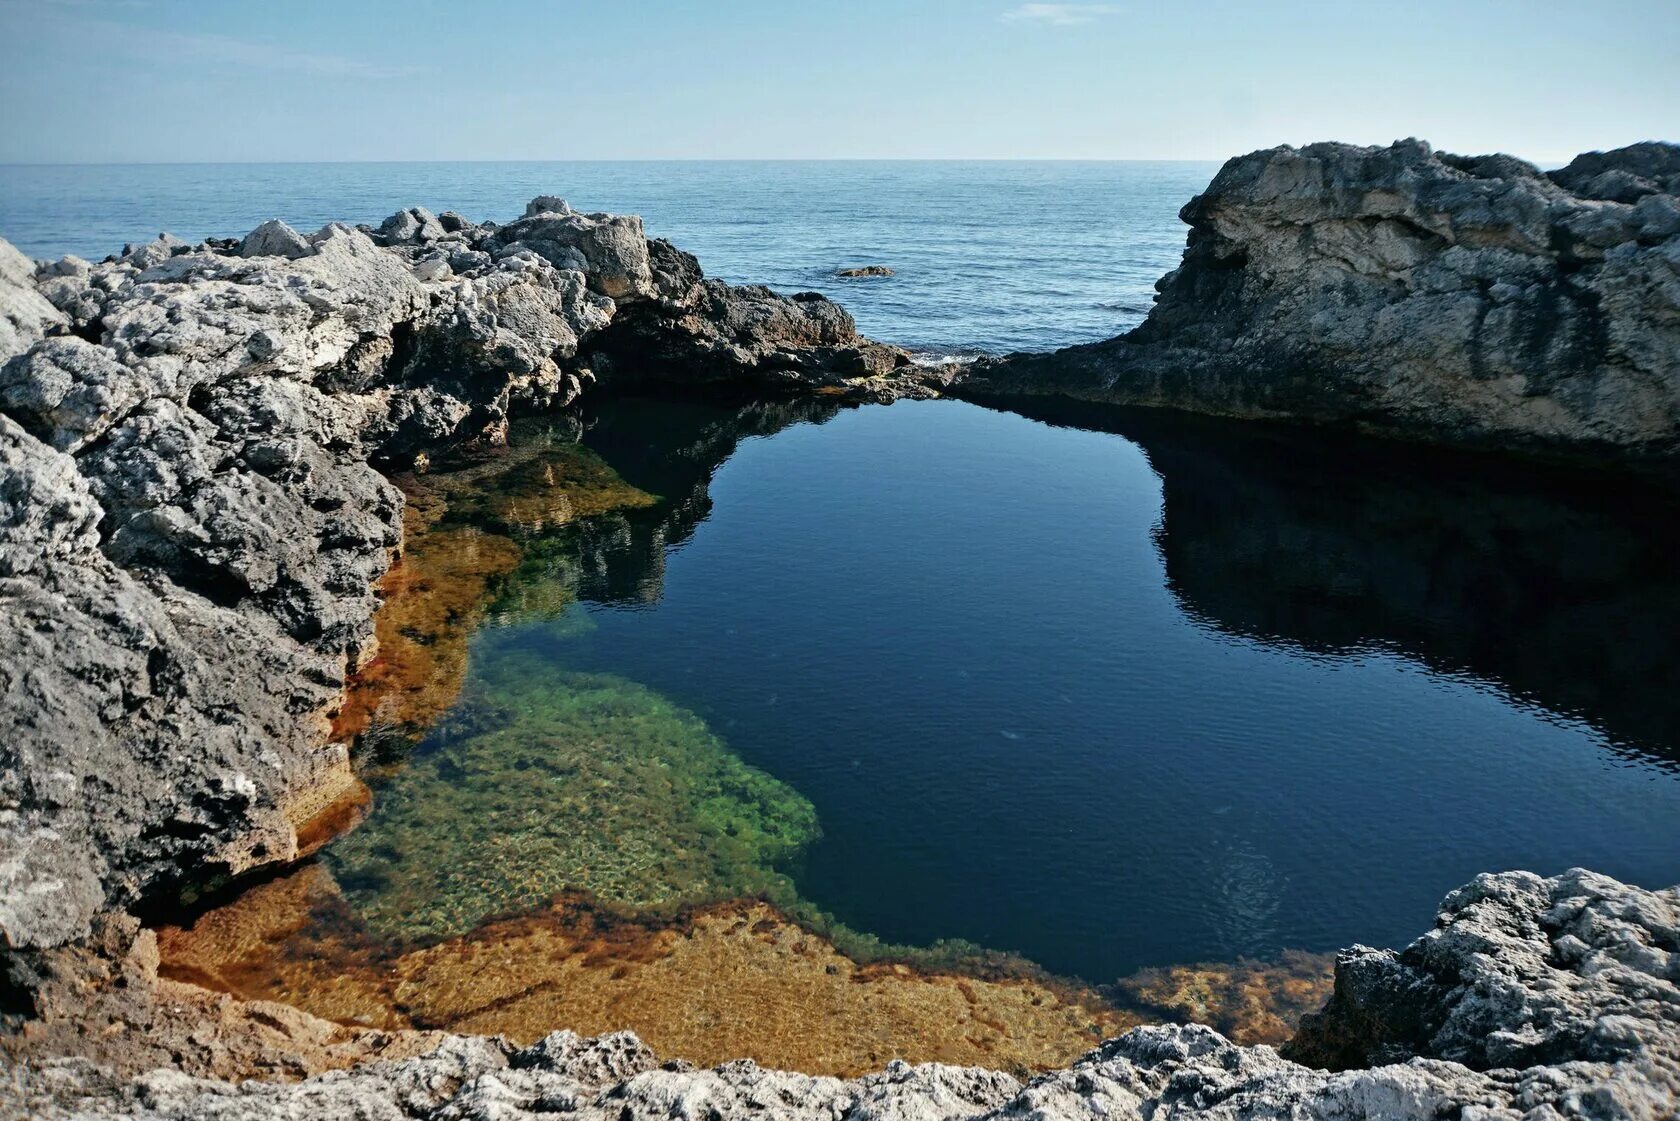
(275, 239)
(1466, 300)
(547, 204)
(706, 331)
(25, 314)
(154, 252)
(414, 226)
(435, 267)
(1623, 175)
(610, 249)
(68, 392)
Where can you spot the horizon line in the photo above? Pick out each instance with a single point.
(635, 159)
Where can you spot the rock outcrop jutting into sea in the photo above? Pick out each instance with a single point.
(1465, 300)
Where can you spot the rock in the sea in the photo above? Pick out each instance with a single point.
(864, 270)
(547, 204)
(1465, 300)
(1532, 999)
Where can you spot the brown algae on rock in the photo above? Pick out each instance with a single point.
(708, 984)
(456, 548)
(1248, 1000)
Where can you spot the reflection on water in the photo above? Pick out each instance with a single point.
(1558, 586)
(921, 680)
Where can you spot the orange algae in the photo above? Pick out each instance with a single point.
(718, 982)
(1249, 1001)
(435, 597)
(437, 593)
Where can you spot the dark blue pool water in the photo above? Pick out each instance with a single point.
(1175, 691)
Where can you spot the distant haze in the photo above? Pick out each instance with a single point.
(191, 80)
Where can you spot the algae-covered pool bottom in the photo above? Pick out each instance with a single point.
(906, 732)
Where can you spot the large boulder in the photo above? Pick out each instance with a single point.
(1466, 300)
(609, 249)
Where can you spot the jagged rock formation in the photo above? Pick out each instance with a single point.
(1532, 998)
(1464, 300)
(191, 527)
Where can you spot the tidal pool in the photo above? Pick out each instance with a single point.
(980, 692)
(1115, 702)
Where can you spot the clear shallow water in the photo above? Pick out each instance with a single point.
(994, 256)
(1176, 691)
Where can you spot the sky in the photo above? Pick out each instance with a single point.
(91, 81)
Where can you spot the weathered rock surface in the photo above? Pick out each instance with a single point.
(705, 331)
(191, 525)
(1532, 998)
(1464, 300)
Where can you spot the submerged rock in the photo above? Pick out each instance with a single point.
(865, 270)
(1464, 300)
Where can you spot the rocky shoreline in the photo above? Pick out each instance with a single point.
(1473, 301)
(1531, 998)
(196, 514)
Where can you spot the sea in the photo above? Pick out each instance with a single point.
(990, 256)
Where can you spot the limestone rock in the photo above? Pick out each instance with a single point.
(25, 314)
(275, 239)
(414, 226)
(610, 249)
(1465, 300)
(547, 204)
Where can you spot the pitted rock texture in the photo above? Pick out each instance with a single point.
(1535, 999)
(1464, 300)
(192, 523)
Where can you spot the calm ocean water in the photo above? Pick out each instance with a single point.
(993, 256)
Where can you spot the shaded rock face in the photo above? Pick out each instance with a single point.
(1532, 998)
(1465, 300)
(192, 525)
(708, 332)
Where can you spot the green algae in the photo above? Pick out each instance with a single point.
(543, 781)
